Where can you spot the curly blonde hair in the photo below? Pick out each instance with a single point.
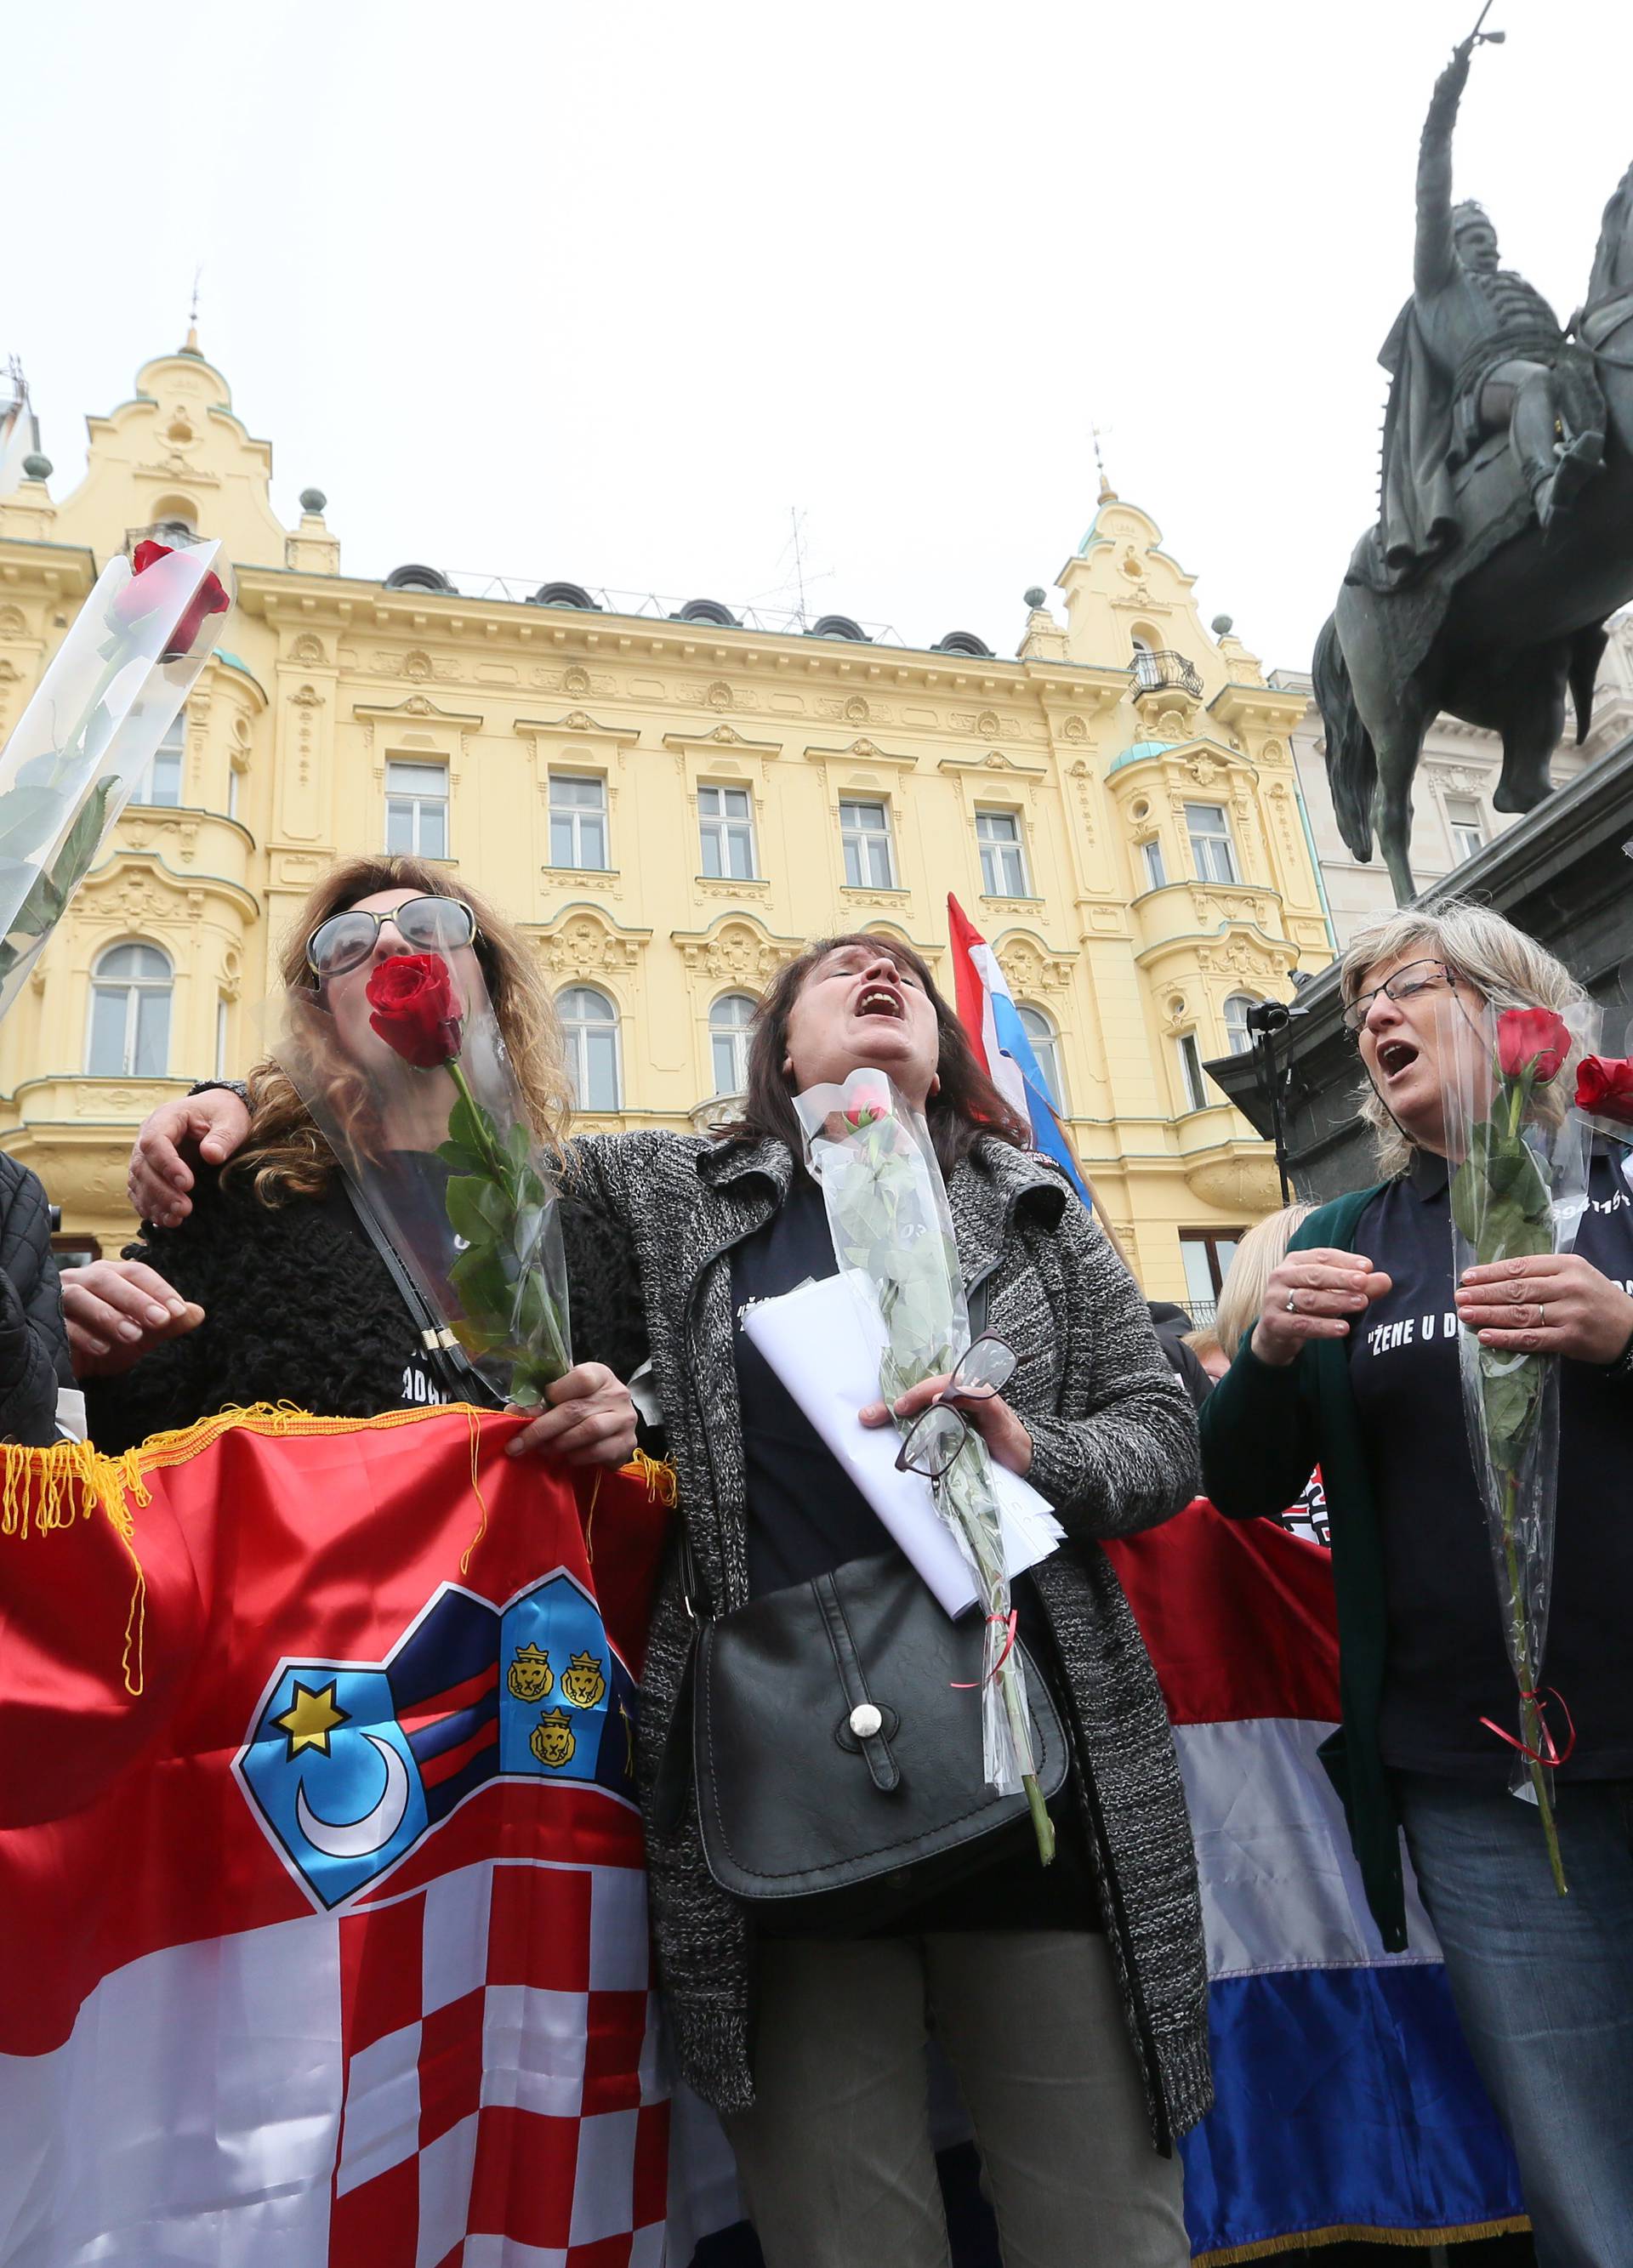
(284, 1155)
(1504, 966)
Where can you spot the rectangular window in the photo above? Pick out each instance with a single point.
(1004, 857)
(221, 1037)
(160, 783)
(726, 827)
(129, 1031)
(1207, 1253)
(416, 809)
(1156, 871)
(578, 822)
(235, 782)
(1212, 847)
(1191, 1072)
(865, 831)
(1465, 826)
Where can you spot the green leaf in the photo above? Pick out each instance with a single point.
(461, 1160)
(27, 816)
(477, 1210)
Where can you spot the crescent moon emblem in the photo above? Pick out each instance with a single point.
(359, 1839)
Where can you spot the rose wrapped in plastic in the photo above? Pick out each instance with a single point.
(1605, 1095)
(78, 750)
(414, 1009)
(1519, 1183)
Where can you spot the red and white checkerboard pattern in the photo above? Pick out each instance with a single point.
(503, 2108)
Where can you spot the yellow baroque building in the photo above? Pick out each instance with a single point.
(671, 803)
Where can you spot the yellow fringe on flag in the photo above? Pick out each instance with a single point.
(1229, 2256)
(44, 1492)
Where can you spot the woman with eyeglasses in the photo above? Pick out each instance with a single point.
(255, 1280)
(1352, 1363)
(1071, 2001)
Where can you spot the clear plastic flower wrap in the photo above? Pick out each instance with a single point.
(406, 1074)
(888, 1214)
(77, 753)
(1518, 1156)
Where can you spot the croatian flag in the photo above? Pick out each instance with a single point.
(320, 1855)
(1346, 2103)
(989, 1015)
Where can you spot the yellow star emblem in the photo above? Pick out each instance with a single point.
(310, 1718)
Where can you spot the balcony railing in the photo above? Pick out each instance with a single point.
(1166, 672)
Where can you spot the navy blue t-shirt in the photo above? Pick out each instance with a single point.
(1447, 1665)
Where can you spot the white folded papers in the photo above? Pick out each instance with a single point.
(824, 1340)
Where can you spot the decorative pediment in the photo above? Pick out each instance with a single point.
(582, 942)
(1031, 966)
(863, 750)
(417, 704)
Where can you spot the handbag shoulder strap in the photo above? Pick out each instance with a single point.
(450, 1365)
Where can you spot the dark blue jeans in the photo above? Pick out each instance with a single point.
(1544, 1987)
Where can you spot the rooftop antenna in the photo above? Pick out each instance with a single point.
(797, 521)
(192, 324)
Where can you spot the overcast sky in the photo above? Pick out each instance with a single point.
(602, 292)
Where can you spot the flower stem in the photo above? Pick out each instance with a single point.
(1530, 1716)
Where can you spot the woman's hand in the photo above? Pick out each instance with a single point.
(1313, 1295)
(591, 1420)
(116, 1310)
(1554, 1303)
(159, 1179)
(1007, 1439)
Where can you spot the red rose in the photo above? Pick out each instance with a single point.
(1532, 1041)
(417, 1009)
(134, 603)
(1605, 1084)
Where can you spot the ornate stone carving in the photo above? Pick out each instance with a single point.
(856, 710)
(987, 723)
(416, 664)
(1074, 729)
(308, 648)
(718, 694)
(738, 952)
(1031, 971)
(12, 621)
(585, 945)
(574, 681)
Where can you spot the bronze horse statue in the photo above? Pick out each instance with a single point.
(1498, 634)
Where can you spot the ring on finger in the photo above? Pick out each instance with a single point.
(1292, 1303)
(1541, 1316)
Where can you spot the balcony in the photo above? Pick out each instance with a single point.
(1163, 672)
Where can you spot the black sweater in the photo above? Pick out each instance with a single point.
(299, 1307)
(33, 1344)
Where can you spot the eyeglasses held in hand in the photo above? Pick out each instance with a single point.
(429, 925)
(939, 1432)
(1416, 977)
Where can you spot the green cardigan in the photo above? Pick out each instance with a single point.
(1263, 1430)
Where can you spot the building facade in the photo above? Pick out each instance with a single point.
(672, 802)
(1453, 815)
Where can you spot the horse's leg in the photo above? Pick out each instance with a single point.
(1398, 739)
(1534, 719)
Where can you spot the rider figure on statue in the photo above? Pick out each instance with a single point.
(1476, 350)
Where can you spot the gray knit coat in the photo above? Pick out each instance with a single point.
(1114, 1451)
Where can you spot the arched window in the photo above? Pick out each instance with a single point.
(729, 1041)
(589, 1024)
(1046, 1047)
(130, 1028)
(1237, 1033)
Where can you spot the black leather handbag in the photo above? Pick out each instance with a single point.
(832, 1752)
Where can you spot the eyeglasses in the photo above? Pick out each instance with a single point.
(430, 924)
(939, 1432)
(1406, 984)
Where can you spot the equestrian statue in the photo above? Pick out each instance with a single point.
(1504, 534)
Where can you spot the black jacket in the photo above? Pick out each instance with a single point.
(298, 1307)
(33, 1344)
(1172, 1323)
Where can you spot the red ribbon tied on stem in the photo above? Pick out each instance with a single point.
(1553, 1757)
(1005, 1623)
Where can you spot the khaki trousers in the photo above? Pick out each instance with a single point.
(835, 2158)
